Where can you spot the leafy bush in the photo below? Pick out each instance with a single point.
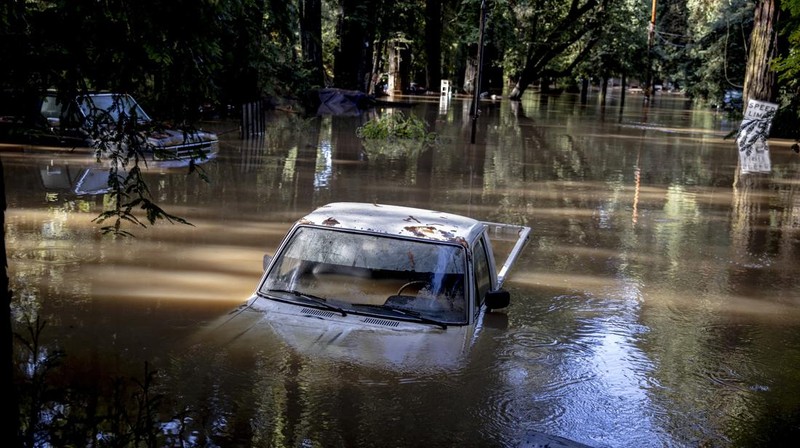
(396, 126)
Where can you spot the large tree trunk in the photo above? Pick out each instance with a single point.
(433, 44)
(584, 90)
(524, 80)
(471, 70)
(311, 39)
(393, 82)
(759, 78)
(375, 74)
(492, 80)
(352, 61)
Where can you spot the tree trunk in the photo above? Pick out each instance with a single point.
(604, 91)
(352, 61)
(311, 39)
(492, 80)
(433, 44)
(471, 70)
(403, 68)
(525, 78)
(584, 90)
(394, 67)
(760, 79)
(375, 74)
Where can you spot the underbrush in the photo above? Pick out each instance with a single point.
(396, 125)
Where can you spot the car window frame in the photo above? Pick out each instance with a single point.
(481, 268)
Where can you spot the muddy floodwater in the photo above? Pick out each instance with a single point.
(657, 303)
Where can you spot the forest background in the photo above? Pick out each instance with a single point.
(183, 57)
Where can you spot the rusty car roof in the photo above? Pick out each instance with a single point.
(396, 220)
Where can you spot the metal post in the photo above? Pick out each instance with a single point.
(479, 75)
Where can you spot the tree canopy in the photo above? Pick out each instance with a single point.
(181, 55)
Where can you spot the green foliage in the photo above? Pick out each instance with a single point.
(395, 135)
(396, 126)
(788, 65)
(119, 138)
(330, 40)
(788, 68)
(179, 55)
(715, 60)
(173, 56)
(552, 37)
(621, 47)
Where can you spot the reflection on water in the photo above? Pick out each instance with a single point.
(656, 305)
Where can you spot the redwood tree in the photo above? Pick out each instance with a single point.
(760, 78)
(433, 43)
(352, 60)
(311, 39)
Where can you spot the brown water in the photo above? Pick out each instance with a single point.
(657, 304)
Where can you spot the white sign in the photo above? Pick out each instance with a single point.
(752, 138)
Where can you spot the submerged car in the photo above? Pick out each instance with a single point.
(732, 100)
(77, 122)
(385, 284)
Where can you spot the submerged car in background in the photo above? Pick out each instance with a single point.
(79, 123)
(383, 285)
(732, 100)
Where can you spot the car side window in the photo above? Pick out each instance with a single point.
(50, 107)
(70, 117)
(482, 277)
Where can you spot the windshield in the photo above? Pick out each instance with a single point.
(370, 274)
(114, 106)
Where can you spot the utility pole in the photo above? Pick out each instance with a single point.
(650, 36)
(476, 99)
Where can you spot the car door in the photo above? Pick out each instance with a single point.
(482, 270)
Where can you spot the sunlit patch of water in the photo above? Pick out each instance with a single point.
(566, 282)
(49, 255)
(324, 169)
(753, 261)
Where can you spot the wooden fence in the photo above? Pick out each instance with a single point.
(254, 119)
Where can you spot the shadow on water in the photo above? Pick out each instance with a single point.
(656, 304)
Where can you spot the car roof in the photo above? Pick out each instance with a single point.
(396, 220)
(52, 92)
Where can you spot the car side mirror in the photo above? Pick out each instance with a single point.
(496, 300)
(265, 262)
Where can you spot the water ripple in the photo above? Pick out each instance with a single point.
(51, 255)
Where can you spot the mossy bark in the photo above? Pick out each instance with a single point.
(760, 79)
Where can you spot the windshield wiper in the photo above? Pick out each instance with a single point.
(407, 313)
(322, 302)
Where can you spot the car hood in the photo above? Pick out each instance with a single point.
(371, 341)
(175, 137)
